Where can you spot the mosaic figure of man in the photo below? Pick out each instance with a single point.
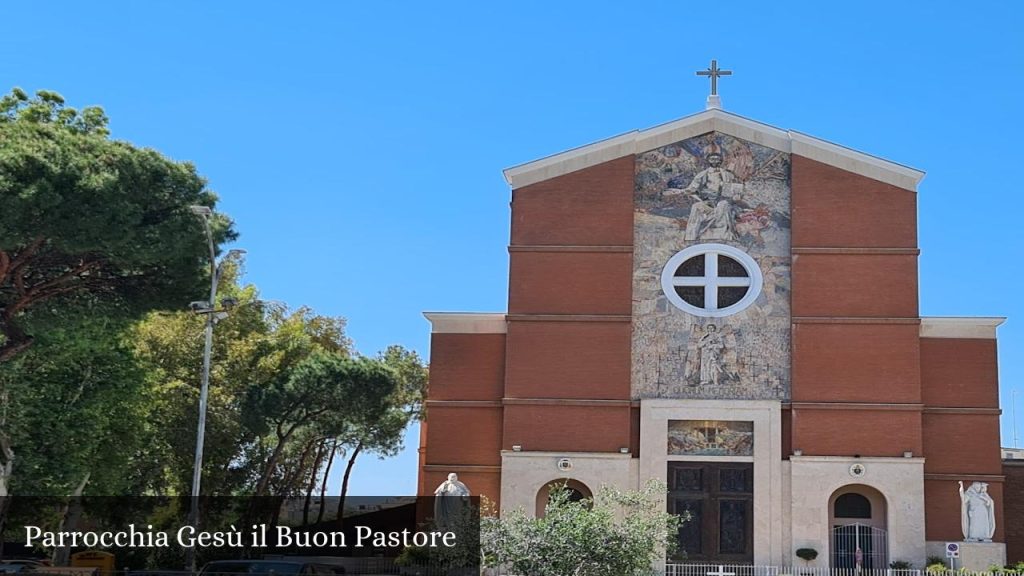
(710, 345)
(711, 215)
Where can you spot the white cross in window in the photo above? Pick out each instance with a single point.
(721, 572)
(711, 281)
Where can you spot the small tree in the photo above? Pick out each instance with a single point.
(324, 392)
(383, 435)
(806, 554)
(614, 534)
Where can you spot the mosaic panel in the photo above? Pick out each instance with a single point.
(710, 438)
(712, 188)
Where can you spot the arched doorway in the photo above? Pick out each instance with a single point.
(577, 491)
(858, 529)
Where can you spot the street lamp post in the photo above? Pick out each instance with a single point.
(213, 315)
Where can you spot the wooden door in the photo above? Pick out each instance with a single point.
(719, 498)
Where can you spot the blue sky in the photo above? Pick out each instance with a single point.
(359, 146)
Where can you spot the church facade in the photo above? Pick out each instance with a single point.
(731, 309)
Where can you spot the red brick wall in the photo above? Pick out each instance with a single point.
(965, 444)
(570, 283)
(846, 432)
(463, 367)
(449, 428)
(835, 208)
(1013, 509)
(560, 264)
(567, 428)
(588, 360)
(589, 207)
(467, 366)
(866, 285)
(421, 462)
(960, 372)
(855, 280)
(960, 389)
(584, 223)
(856, 363)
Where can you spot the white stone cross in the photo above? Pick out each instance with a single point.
(721, 572)
(711, 281)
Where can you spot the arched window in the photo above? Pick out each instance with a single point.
(574, 495)
(852, 505)
(577, 491)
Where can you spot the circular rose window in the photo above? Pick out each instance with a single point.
(711, 280)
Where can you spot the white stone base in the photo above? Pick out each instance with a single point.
(976, 556)
(523, 474)
(900, 480)
(766, 415)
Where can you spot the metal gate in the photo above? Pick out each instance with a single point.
(860, 547)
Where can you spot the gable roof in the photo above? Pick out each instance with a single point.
(713, 120)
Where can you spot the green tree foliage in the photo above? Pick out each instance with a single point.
(287, 394)
(254, 348)
(93, 232)
(324, 394)
(615, 534)
(65, 402)
(96, 237)
(383, 435)
(89, 224)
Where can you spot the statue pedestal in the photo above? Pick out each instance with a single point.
(978, 556)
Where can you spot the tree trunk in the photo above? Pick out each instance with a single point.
(344, 480)
(313, 474)
(323, 482)
(268, 470)
(6, 468)
(291, 478)
(16, 343)
(278, 504)
(7, 453)
(5, 496)
(258, 503)
(69, 522)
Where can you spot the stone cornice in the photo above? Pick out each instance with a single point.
(466, 322)
(639, 141)
(569, 318)
(575, 248)
(978, 327)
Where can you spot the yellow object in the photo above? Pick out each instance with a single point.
(103, 561)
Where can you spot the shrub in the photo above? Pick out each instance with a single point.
(615, 534)
(807, 554)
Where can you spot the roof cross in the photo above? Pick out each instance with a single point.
(714, 73)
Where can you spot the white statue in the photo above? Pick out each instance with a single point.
(448, 500)
(711, 215)
(710, 345)
(977, 513)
